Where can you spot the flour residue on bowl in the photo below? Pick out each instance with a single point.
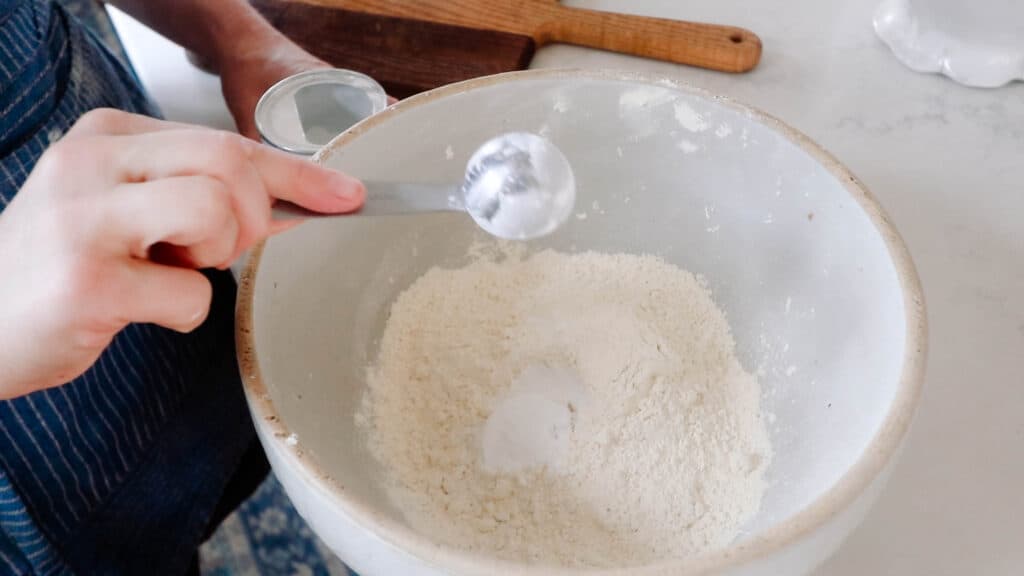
(644, 98)
(687, 147)
(689, 118)
(568, 409)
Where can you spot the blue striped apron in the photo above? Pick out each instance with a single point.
(123, 470)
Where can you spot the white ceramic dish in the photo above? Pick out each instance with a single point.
(820, 291)
(974, 42)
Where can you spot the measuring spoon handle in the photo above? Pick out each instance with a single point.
(388, 198)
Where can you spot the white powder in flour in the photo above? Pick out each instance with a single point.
(579, 410)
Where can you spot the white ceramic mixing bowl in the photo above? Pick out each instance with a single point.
(819, 289)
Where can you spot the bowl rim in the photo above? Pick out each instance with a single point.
(855, 480)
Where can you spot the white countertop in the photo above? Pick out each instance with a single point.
(947, 162)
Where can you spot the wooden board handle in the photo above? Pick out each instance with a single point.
(724, 48)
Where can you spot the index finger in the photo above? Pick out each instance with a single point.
(297, 180)
(166, 152)
(112, 122)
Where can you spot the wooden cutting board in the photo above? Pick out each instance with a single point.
(725, 48)
(412, 46)
(406, 56)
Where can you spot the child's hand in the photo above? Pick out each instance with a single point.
(112, 224)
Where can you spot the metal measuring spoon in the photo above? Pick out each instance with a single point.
(517, 186)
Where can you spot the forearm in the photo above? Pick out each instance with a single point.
(214, 29)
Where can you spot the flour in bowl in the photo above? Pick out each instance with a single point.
(567, 409)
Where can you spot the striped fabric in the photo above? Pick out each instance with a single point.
(120, 471)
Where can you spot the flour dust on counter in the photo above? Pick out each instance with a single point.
(566, 409)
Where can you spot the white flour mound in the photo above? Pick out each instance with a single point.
(576, 410)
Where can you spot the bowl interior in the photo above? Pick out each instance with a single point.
(791, 255)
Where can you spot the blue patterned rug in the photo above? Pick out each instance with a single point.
(266, 537)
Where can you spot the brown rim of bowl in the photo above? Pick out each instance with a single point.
(842, 494)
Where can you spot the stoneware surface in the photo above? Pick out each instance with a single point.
(820, 291)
